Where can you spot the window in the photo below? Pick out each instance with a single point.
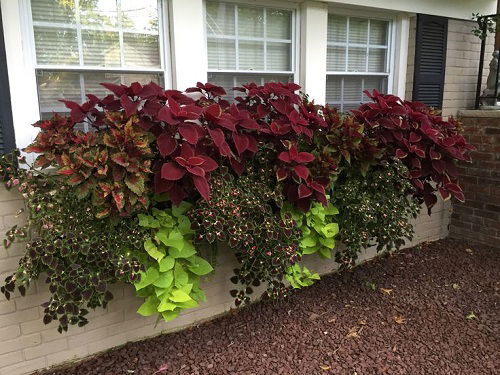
(81, 43)
(357, 59)
(249, 44)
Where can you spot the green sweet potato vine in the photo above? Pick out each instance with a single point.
(171, 281)
(164, 174)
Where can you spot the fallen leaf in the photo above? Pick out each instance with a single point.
(313, 316)
(332, 320)
(471, 316)
(386, 291)
(399, 319)
(456, 286)
(394, 348)
(163, 368)
(470, 251)
(325, 367)
(354, 331)
(362, 322)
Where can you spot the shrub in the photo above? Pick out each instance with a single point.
(81, 255)
(374, 209)
(426, 143)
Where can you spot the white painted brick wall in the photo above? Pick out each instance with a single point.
(462, 64)
(26, 344)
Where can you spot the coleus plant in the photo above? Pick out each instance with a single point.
(112, 164)
(426, 143)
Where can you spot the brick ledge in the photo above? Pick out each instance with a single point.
(491, 113)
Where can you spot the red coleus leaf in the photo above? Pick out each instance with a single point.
(302, 171)
(166, 144)
(201, 184)
(129, 105)
(120, 158)
(284, 156)
(165, 115)
(445, 194)
(118, 90)
(281, 174)
(304, 157)
(162, 185)
(118, 198)
(248, 123)
(414, 137)
(172, 171)
(304, 191)
(238, 166)
(218, 137)
(67, 171)
(241, 142)
(189, 132)
(438, 166)
(75, 179)
(196, 170)
(400, 154)
(434, 154)
(281, 106)
(454, 188)
(209, 164)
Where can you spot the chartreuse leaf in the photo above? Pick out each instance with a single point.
(149, 307)
(181, 277)
(199, 266)
(170, 315)
(147, 278)
(153, 250)
(164, 280)
(181, 209)
(167, 263)
(179, 295)
(171, 281)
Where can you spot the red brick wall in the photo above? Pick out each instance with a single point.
(478, 218)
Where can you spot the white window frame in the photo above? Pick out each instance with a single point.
(391, 46)
(295, 39)
(163, 45)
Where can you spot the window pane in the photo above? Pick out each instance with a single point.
(352, 89)
(356, 59)
(56, 46)
(378, 83)
(333, 89)
(230, 80)
(221, 54)
(250, 22)
(220, 18)
(279, 24)
(53, 85)
(337, 29)
(141, 15)
(335, 59)
(377, 60)
(358, 30)
(99, 13)
(141, 50)
(53, 11)
(378, 32)
(251, 55)
(278, 56)
(101, 48)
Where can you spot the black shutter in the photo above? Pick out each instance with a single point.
(7, 141)
(430, 59)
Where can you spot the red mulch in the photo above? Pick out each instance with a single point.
(410, 313)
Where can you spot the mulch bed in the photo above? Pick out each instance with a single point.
(432, 309)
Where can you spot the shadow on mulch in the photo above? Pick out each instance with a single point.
(431, 309)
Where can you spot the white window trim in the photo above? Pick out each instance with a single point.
(295, 38)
